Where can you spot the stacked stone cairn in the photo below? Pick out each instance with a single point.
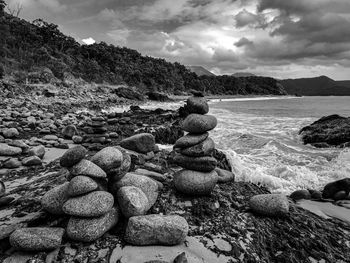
(96, 131)
(194, 151)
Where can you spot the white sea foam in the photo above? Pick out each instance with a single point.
(252, 98)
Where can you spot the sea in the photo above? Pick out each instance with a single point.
(260, 138)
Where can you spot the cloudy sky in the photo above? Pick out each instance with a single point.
(278, 38)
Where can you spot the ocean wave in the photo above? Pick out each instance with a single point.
(251, 99)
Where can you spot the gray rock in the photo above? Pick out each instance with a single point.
(132, 201)
(87, 168)
(81, 185)
(196, 123)
(90, 229)
(37, 151)
(6, 150)
(201, 164)
(156, 230)
(2, 188)
(204, 148)
(12, 163)
(37, 238)
(197, 105)
(153, 175)
(190, 140)
(107, 159)
(54, 199)
(270, 204)
(142, 143)
(10, 133)
(69, 131)
(195, 183)
(300, 194)
(50, 137)
(6, 200)
(31, 161)
(90, 205)
(224, 176)
(73, 156)
(77, 139)
(117, 173)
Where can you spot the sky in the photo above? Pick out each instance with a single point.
(277, 38)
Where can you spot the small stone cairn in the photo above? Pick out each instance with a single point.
(194, 151)
(96, 131)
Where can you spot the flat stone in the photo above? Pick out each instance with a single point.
(90, 229)
(37, 238)
(204, 148)
(197, 105)
(73, 156)
(90, 205)
(270, 204)
(31, 161)
(108, 158)
(50, 137)
(156, 230)
(153, 175)
(202, 164)
(195, 183)
(87, 168)
(132, 201)
(224, 176)
(142, 143)
(81, 185)
(190, 140)
(196, 123)
(37, 151)
(54, 199)
(6, 150)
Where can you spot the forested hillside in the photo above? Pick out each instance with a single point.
(28, 49)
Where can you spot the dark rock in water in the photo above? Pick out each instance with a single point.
(54, 199)
(334, 187)
(202, 164)
(197, 105)
(158, 96)
(128, 93)
(73, 156)
(315, 195)
(197, 123)
(195, 183)
(204, 148)
(270, 204)
(341, 195)
(333, 130)
(37, 238)
(69, 131)
(190, 140)
(224, 176)
(300, 194)
(181, 258)
(142, 143)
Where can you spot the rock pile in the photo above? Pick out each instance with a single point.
(194, 151)
(96, 131)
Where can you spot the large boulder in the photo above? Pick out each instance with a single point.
(132, 201)
(73, 156)
(37, 238)
(156, 230)
(195, 183)
(108, 158)
(202, 164)
(142, 143)
(197, 123)
(334, 187)
(90, 205)
(190, 140)
(204, 148)
(90, 229)
(273, 205)
(87, 168)
(6, 150)
(81, 185)
(54, 199)
(197, 105)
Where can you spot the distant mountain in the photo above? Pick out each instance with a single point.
(318, 86)
(200, 71)
(243, 74)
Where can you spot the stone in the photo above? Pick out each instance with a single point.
(90, 229)
(156, 230)
(341, 195)
(54, 199)
(142, 143)
(118, 173)
(50, 137)
(107, 159)
(197, 105)
(12, 163)
(316, 195)
(274, 205)
(77, 139)
(87, 168)
(224, 176)
(6, 150)
(90, 205)
(300, 194)
(31, 161)
(190, 140)
(37, 238)
(332, 188)
(196, 123)
(204, 148)
(195, 183)
(132, 201)
(154, 175)
(146, 184)
(69, 131)
(73, 156)
(201, 164)
(37, 151)
(10, 133)
(81, 185)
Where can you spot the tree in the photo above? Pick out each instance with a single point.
(15, 10)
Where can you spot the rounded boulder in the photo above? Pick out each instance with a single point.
(196, 123)
(142, 143)
(73, 156)
(197, 105)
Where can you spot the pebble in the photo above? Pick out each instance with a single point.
(132, 201)
(81, 185)
(73, 156)
(142, 143)
(196, 123)
(270, 204)
(54, 199)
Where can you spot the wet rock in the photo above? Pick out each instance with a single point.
(31, 161)
(202, 164)
(316, 195)
(196, 123)
(197, 105)
(156, 230)
(10, 133)
(108, 158)
(6, 150)
(204, 148)
(332, 188)
(37, 151)
(270, 204)
(81, 185)
(132, 201)
(12, 163)
(69, 131)
(90, 229)
(142, 143)
(87, 168)
(224, 176)
(195, 183)
(37, 238)
(190, 140)
(73, 156)
(90, 205)
(54, 199)
(300, 194)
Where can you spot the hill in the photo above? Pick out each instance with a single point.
(243, 74)
(39, 53)
(200, 71)
(318, 86)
